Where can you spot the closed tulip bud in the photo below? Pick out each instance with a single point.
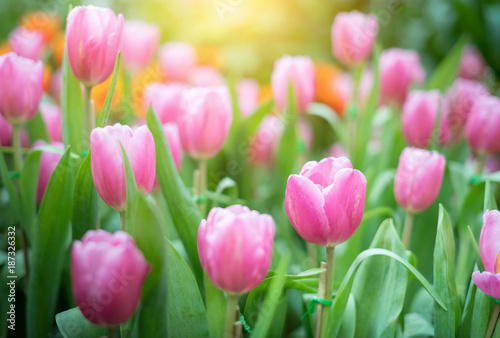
(5, 132)
(93, 37)
(298, 71)
(108, 169)
(418, 178)
(166, 100)
(483, 126)
(139, 43)
(471, 64)
(21, 81)
(489, 248)
(325, 201)
(177, 59)
(205, 122)
(205, 76)
(52, 117)
(248, 91)
(107, 275)
(353, 36)
(399, 69)
(235, 246)
(48, 162)
(419, 117)
(27, 43)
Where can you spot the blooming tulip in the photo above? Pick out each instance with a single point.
(399, 69)
(21, 81)
(483, 126)
(166, 100)
(205, 76)
(52, 117)
(300, 72)
(108, 169)
(235, 246)
(418, 178)
(48, 162)
(419, 116)
(325, 201)
(205, 122)
(107, 274)
(27, 43)
(139, 43)
(353, 36)
(471, 64)
(489, 248)
(93, 37)
(5, 132)
(248, 96)
(177, 59)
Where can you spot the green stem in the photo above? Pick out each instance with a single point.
(353, 111)
(88, 116)
(325, 315)
(479, 164)
(232, 301)
(123, 220)
(113, 332)
(18, 155)
(492, 322)
(201, 185)
(406, 236)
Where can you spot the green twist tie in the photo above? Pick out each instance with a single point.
(245, 325)
(312, 308)
(85, 153)
(14, 174)
(200, 199)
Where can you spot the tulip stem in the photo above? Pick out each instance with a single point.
(492, 322)
(123, 220)
(200, 185)
(88, 116)
(479, 164)
(407, 227)
(113, 332)
(18, 155)
(232, 301)
(325, 315)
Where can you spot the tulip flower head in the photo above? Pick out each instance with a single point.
(139, 43)
(205, 76)
(174, 142)
(5, 132)
(482, 129)
(325, 201)
(471, 64)
(48, 162)
(166, 100)
(177, 59)
(27, 43)
(52, 117)
(107, 274)
(235, 246)
(489, 248)
(248, 96)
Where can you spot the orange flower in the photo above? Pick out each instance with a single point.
(100, 91)
(5, 48)
(57, 45)
(45, 22)
(150, 74)
(266, 93)
(209, 56)
(47, 76)
(327, 77)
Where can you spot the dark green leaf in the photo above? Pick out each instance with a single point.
(73, 324)
(9, 185)
(28, 185)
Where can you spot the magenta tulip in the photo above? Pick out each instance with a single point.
(419, 116)
(471, 64)
(27, 43)
(353, 36)
(139, 43)
(489, 248)
(52, 117)
(300, 72)
(93, 37)
(48, 162)
(108, 169)
(166, 99)
(418, 178)
(399, 69)
(483, 126)
(177, 59)
(325, 201)
(205, 122)
(247, 91)
(205, 76)
(5, 132)
(21, 81)
(107, 274)
(235, 246)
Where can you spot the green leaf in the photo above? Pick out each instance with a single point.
(9, 185)
(459, 181)
(254, 120)
(103, 118)
(86, 201)
(480, 314)
(36, 129)
(417, 326)
(380, 287)
(446, 322)
(446, 71)
(28, 186)
(489, 198)
(216, 307)
(226, 183)
(52, 235)
(73, 324)
(326, 113)
(132, 192)
(348, 325)
(475, 247)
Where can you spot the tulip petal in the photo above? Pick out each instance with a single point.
(489, 241)
(487, 282)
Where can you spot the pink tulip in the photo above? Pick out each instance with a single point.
(139, 43)
(472, 64)
(399, 69)
(235, 246)
(337, 150)
(48, 162)
(21, 81)
(344, 87)
(177, 59)
(52, 117)
(265, 142)
(353, 36)
(489, 248)
(418, 178)
(419, 116)
(174, 142)
(56, 85)
(205, 76)
(108, 169)
(5, 132)
(205, 122)
(93, 37)
(166, 99)
(107, 274)
(300, 72)
(325, 201)
(247, 91)
(483, 126)
(27, 43)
